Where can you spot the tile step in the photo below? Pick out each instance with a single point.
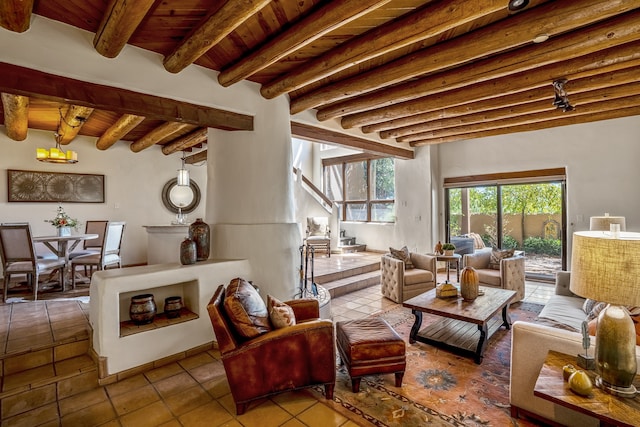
(354, 283)
(348, 272)
(29, 380)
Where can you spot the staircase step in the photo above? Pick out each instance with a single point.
(347, 272)
(347, 249)
(352, 283)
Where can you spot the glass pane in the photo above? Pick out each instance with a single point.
(383, 212)
(356, 181)
(356, 211)
(382, 179)
(532, 221)
(333, 182)
(455, 211)
(483, 213)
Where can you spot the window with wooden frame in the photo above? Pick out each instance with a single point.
(362, 186)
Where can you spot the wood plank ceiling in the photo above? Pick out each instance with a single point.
(416, 72)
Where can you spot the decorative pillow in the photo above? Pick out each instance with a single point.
(497, 255)
(246, 309)
(404, 255)
(317, 226)
(280, 314)
(588, 305)
(478, 243)
(595, 310)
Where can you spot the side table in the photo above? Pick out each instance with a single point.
(449, 259)
(609, 409)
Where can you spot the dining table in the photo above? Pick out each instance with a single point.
(62, 246)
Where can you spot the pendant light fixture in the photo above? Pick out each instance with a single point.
(57, 154)
(183, 174)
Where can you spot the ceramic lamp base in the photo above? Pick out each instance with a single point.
(629, 392)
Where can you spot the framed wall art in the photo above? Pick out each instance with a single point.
(32, 186)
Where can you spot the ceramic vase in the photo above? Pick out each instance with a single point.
(172, 307)
(64, 231)
(142, 309)
(188, 254)
(199, 232)
(469, 284)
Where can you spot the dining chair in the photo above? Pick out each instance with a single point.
(19, 257)
(92, 246)
(108, 256)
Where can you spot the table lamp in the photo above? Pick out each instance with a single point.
(607, 269)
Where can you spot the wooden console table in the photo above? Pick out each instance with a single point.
(609, 409)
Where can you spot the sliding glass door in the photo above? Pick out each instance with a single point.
(527, 216)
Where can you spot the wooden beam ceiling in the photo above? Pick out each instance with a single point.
(416, 72)
(28, 82)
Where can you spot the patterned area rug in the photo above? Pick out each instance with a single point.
(440, 388)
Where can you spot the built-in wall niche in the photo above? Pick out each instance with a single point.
(188, 291)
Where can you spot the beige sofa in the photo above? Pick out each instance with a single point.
(530, 343)
(510, 275)
(399, 284)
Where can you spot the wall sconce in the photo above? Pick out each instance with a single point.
(561, 100)
(183, 174)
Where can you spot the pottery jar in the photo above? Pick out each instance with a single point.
(199, 232)
(188, 252)
(172, 306)
(142, 309)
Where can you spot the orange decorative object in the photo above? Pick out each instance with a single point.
(438, 248)
(469, 282)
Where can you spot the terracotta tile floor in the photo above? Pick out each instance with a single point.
(190, 392)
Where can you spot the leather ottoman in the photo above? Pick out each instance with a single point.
(370, 346)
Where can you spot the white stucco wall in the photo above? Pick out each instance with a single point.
(133, 187)
(601, 160)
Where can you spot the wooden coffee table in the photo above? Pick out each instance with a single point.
(467, 325)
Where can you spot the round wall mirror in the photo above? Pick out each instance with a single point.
(180, 196)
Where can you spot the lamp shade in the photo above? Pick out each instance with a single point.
(606, 269)
(603, 223)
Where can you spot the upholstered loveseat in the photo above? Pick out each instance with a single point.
(400, 283)
(555, 329)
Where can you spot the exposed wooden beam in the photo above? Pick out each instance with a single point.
(328, 136)
(601, 36)
(194, 138)
(211, 31)
(166, 130)
(495, 88)
(565, 121)
(411, 28)
(15, 15)
(28, 82)
(587, 103)
(125, 124)
(119, 21)
(200, 156)
(16, 116)
(71, 123)
(302, 33)
(502, 36)
(581, 91)
(584, 81)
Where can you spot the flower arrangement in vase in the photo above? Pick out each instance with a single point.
(63, 222)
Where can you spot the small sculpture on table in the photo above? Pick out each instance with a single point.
(584, 360)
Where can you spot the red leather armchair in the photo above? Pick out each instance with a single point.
(290, 358)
